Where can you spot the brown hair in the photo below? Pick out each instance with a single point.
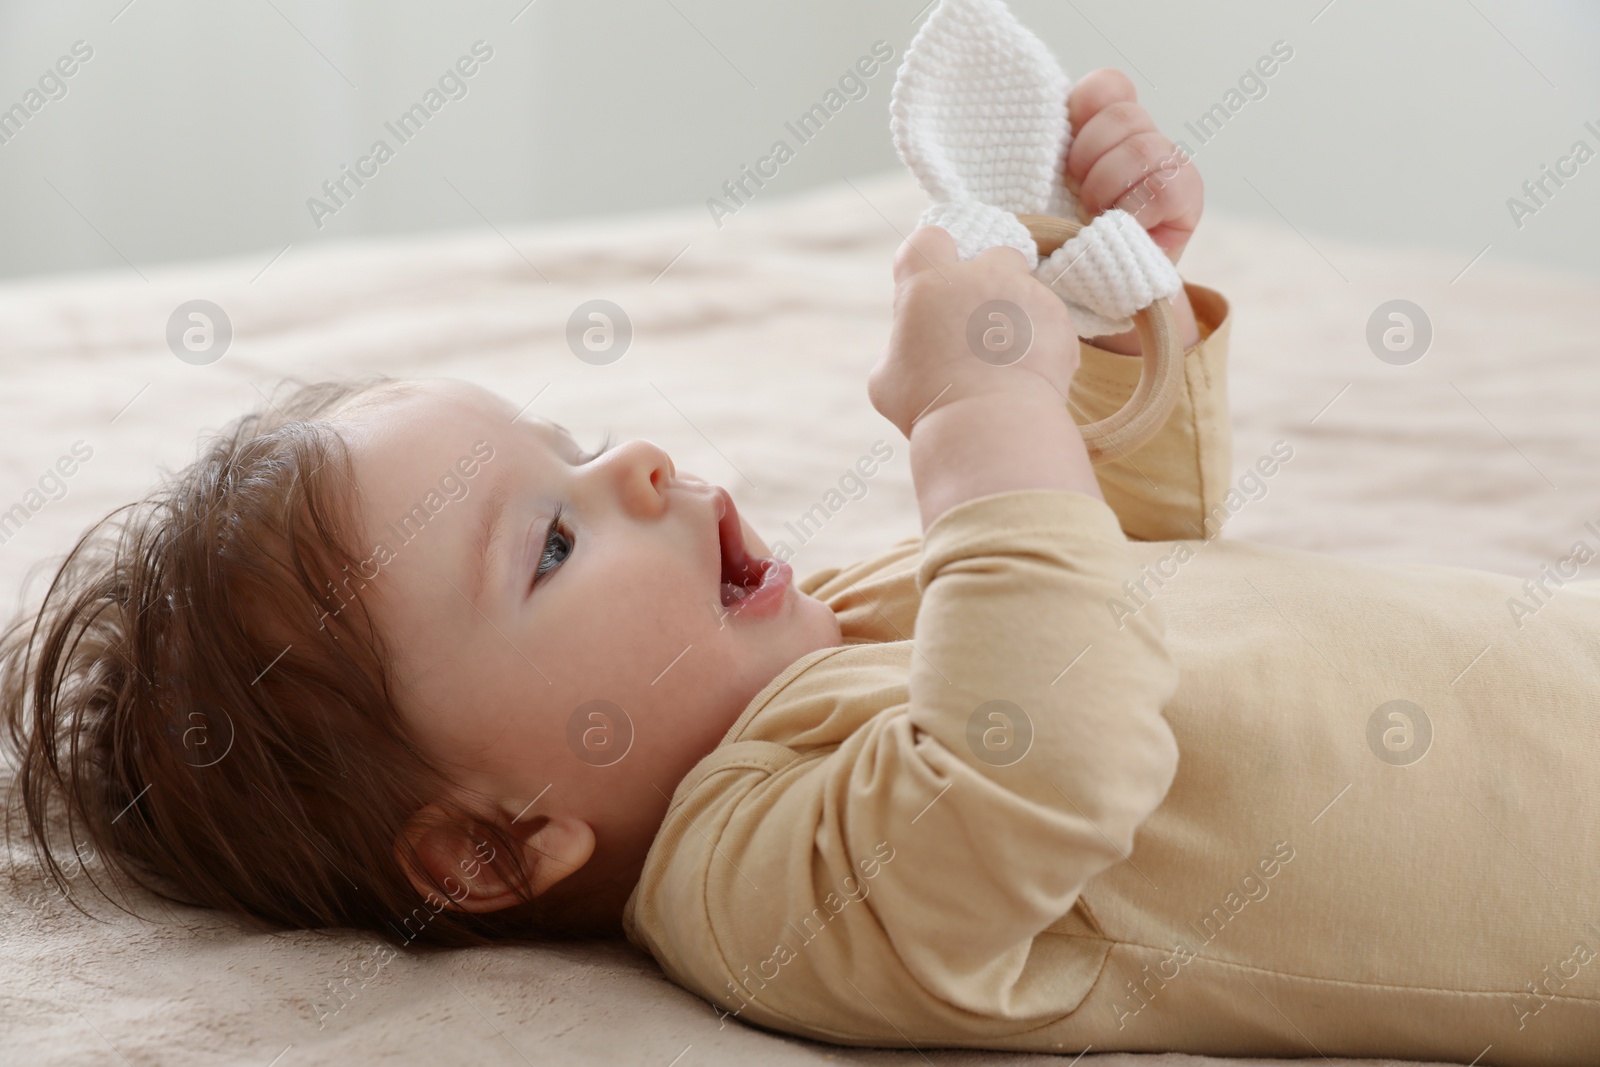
(189, 700)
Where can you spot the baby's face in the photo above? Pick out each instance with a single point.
(496, 651)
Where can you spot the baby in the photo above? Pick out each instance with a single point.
(1063, 773)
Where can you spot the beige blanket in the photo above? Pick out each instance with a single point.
(750, 350)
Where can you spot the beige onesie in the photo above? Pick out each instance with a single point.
(1133, 787)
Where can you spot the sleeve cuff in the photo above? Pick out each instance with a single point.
(1211, 311)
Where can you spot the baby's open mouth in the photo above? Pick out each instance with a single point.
(740, 573)
(743, 575)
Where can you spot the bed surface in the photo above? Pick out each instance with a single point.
(748, 363)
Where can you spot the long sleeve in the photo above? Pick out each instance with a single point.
(1014, 639)
(1169, 489)
(880, 843)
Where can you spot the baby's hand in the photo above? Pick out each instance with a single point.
(946, 343)
(1119, 159)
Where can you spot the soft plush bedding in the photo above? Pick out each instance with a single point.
(750, 347)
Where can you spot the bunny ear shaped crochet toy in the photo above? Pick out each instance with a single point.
(979, 115)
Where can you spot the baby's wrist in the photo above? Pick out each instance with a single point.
(1127, 344)
(992, 443)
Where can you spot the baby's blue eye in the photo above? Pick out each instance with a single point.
(558, 546)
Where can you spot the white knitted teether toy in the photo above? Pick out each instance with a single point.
(979, 114)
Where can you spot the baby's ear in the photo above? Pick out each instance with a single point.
(465, 862)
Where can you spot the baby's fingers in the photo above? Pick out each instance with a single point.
(1096, 91)
(1110, 127)
(927, 249)
(1119, 159)
(1148, 177)
(1127, 164)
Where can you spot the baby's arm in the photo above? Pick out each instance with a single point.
(1171, 487)
(977, 428)
(864, 882)
(1034, 744)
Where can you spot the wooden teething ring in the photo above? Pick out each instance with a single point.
(1161, 379)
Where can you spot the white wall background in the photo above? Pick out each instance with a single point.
(200, 128)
